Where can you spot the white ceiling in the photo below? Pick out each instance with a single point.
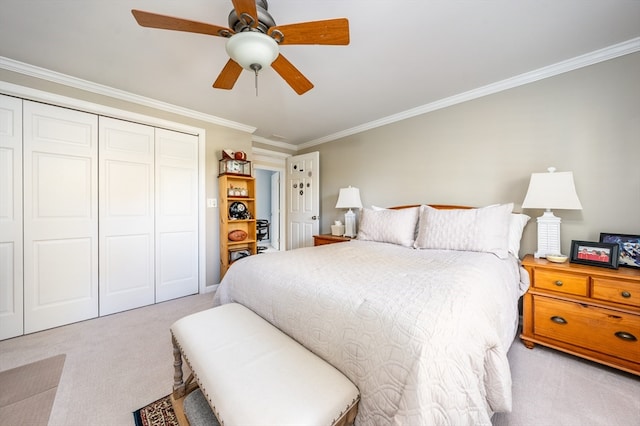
(403, 55)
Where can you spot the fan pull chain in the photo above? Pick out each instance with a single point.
(256, 84)
(256, 68)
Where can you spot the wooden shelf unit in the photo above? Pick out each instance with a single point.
(228, 248)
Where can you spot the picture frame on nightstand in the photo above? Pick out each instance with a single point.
(629, 253)
(594, 253)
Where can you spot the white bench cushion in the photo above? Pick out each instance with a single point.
(253, 374)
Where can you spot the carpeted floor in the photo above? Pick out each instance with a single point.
(27, 392)
(119, 363)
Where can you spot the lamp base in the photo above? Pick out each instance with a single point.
(548, 234)
(350, 224)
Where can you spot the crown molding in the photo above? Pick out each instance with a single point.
(278, 144)
(267, 153)
(77, 83)
(269, 160)
(611, 52)
(605, 54)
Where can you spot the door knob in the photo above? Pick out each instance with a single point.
(314, 217)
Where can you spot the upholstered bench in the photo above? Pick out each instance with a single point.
(253, 374)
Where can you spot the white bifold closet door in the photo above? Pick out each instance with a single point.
(127, 203)
(11, 275)
(176, 214)
(60, 216)
(148, 215)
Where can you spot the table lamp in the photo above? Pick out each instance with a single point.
(349, 198)
(550, 191)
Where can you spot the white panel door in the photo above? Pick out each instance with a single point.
(176, 214)
(11, 274)
(60, 216)
(126, 205)
(274, 232)
(303, 196)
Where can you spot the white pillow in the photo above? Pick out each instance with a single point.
(485, 229)
(389, 226)
(516, 226)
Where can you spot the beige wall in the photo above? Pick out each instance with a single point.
(483, 152)
(217, 138)
(476, 153)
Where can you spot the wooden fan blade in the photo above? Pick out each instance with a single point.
(153, 20)
(330, 31)
(228, 76)
(248, 7)
(291, 75)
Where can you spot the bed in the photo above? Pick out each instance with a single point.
(419, 311)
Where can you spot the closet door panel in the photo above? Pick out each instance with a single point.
(176, 214)
(60, 216)
(127, 240)
(11, 273)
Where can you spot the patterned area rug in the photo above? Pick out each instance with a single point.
(158, 413)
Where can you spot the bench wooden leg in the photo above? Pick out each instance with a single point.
(178, 382)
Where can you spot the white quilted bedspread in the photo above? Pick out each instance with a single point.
(422, 333)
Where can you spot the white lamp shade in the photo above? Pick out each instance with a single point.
(553, 190)
(349, 198)
(550, 191)
(252, 48)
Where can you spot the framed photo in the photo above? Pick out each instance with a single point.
(629, 252)
(595, 253)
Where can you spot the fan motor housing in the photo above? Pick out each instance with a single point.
(265, 20)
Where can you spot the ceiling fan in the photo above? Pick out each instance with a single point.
(254, 40)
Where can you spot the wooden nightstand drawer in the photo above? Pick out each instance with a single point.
(624, 292)
(607, 331)
(561, 282)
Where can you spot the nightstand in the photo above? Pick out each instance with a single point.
(319, 240)
(587, 311)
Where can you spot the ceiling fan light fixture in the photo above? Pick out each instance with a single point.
(252, 50)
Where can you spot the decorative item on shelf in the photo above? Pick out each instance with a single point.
(557, 258)
(238, 254)
(550, 191)
(234, 163)
(228, 154)
(349, 198)
(237, 192)
(237, 235)
(595, 254)
(235, 167)
(238, 210)
(629, 248)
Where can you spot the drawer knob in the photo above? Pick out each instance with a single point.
(625, 336)
(559, 283)
(625, 294)
(560, 320)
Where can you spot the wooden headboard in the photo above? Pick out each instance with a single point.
(435, 206)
